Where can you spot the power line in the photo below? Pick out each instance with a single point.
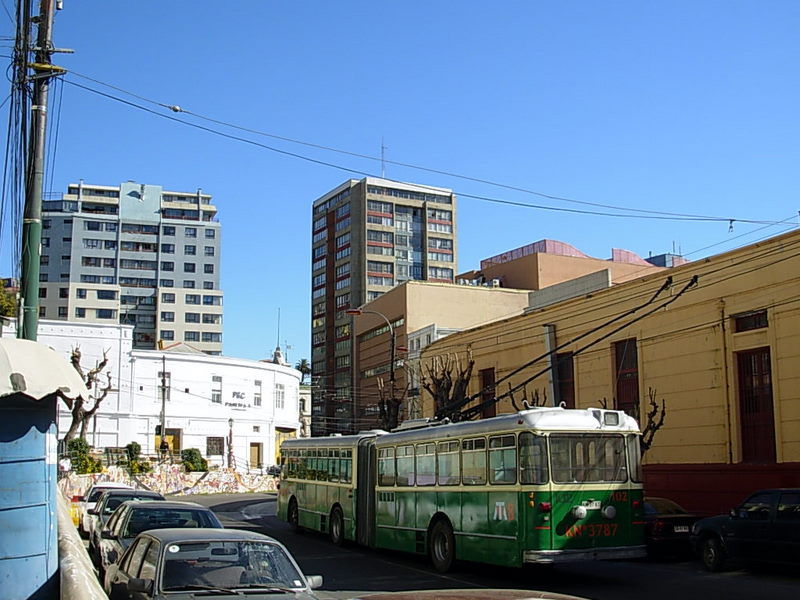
(643, 213)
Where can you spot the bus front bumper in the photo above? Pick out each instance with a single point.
(581, 554)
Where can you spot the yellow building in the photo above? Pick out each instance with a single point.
(717, 340)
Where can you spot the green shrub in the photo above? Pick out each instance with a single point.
(82, 461)
(135, 464)
(193, 460)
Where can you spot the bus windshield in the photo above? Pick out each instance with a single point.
(588, 457)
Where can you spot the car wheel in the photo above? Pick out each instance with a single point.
(336, 528)
(294, 515)
(713, 555)
(442, 546)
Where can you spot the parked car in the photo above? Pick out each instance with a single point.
(763, 528)
(105, 506)
(468, 594)
(87, 501)
(180, 563)
(133, 517)
(667, 526)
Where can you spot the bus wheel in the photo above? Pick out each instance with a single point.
(442, 546)
(294, 515)
(336, 527)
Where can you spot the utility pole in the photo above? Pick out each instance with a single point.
(163, 397)
(34, 173)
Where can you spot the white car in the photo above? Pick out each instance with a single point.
(86, 502)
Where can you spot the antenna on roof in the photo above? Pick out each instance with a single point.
(383, 159)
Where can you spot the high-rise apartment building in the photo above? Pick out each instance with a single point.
(134, 254)
(368, 236)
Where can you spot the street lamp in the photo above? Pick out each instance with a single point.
(358, 311)
(230, 443)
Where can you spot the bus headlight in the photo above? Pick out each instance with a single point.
(609, 512)
(579, 512)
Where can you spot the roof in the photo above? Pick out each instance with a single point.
(195, 534)
(36, 370)
(166, 504)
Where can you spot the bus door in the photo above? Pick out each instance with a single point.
(536, 498)
(365, 492)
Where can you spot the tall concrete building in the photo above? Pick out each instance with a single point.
(367, 237)
(134, 254)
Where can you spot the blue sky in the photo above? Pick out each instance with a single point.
(684, 107)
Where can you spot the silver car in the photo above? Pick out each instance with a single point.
(178, 564)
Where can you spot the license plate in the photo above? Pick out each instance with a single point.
(681, 529)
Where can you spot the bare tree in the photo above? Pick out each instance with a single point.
(389, 404)
(446, 380)
(654, 418)
(535, 400)
(83, 410)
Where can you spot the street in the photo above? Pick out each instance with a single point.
(352, 568)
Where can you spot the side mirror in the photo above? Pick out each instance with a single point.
(92, 511)
(106, 534)
(142, 586)
(314, 581)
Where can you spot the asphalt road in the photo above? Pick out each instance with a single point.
(351, 569)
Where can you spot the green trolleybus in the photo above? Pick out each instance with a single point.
(543, 485)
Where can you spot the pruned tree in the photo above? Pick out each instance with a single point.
(83, 410)
(447, 381)
(654, 419)
(535, 400)
(389, 403)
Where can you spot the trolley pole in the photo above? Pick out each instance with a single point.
(28, 322)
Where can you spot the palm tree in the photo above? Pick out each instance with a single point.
(304, 367)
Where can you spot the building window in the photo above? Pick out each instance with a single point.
(211, 337)
(106, 295)
(191, 336)
(565, 373)
(212, 300)
(212, 319)
(62, 312)
(756, 413)
(210, 234)
(163, 384)
(80, 313)
(188, 267)
(208, 285)
(168, 298)
(167, 335)
(192, 299)
(486, 378)
(216, 389)
(106, 313)
(190, 232)
(627, 376)
(168, 230)
(192, 317)
(167, 317)
(188, 284)
(215, 446)
(168, 248)
(208, 251)
(167, 266)
(42, 311)
(257, 393)
(279, 396)
(749, 321)
(190, 250)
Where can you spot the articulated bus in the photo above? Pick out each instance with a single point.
(542, 485)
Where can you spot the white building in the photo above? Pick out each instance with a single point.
(231, 409)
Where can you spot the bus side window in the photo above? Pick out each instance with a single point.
(502, 459)
(473, 457)
(386, 468)
(533, 458)
(405, 465)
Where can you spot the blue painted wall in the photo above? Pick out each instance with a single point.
(28, 522)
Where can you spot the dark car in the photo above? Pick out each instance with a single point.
(105, 506)
(763, 528)
(668, 527)
(133, 517)
(227, 563)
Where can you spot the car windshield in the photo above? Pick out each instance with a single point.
(662, 506)
(227, 565)
(113, 502)
(145, 519)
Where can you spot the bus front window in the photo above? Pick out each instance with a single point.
(588, 457)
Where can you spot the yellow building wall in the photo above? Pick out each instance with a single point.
(686, 350)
